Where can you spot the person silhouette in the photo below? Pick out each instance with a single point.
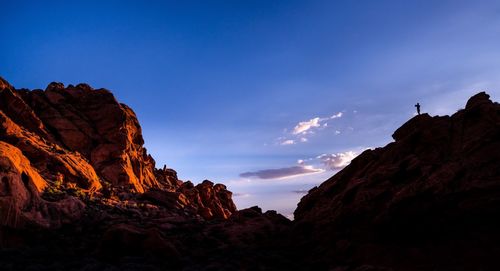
(418, 108)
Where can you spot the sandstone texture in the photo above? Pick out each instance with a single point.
(80, 140)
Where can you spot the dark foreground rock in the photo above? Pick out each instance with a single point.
(428, 201)
(112, 238)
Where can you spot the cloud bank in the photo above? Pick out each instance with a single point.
(281, 173)
(319, 163)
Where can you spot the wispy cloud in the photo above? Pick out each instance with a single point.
(337, 161)
(242, 195)
(287, 142)
(281, 173)
(303, 129)
(336, 116)
(304, 126)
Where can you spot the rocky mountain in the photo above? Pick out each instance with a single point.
(430, 200)
(82, 140)
(78, 191)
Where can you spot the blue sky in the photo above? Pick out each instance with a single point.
(239, 92)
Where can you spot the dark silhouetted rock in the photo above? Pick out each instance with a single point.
(429, 200)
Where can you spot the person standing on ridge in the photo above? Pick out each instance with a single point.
(418, 108)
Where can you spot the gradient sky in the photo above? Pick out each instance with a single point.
(255, 94)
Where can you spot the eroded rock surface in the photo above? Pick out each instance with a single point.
(81, 139)
(21, 206)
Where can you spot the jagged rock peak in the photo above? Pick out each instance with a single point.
(4, 84)
(54, 86)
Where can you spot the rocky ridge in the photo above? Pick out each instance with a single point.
(430, 200)
(81, 140)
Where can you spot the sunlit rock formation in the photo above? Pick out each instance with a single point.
(81, 139)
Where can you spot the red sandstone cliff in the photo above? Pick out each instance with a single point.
(81, 139)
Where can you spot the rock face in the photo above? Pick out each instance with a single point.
(20, 201)
(205, 199)
(92, 123)
(429, 200)
(50, 159)
(80, 140)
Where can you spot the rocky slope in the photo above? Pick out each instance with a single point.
(428, 201)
